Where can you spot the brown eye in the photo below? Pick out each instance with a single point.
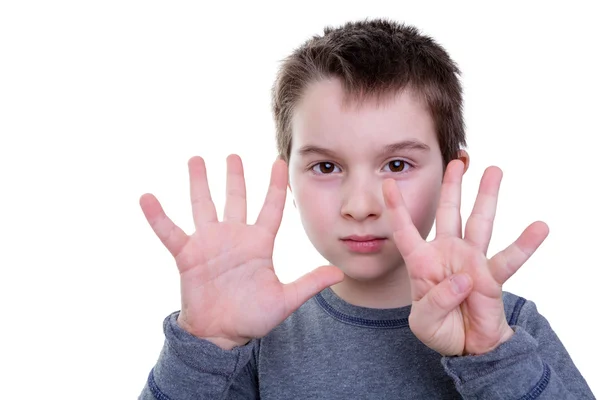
(324, 168)
(397, 165)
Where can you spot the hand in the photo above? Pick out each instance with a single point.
(229, 290)
(456, 290)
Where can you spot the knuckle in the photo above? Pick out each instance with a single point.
(438, 298)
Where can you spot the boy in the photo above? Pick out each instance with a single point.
(370, 136)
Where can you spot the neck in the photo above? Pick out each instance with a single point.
(390, 291)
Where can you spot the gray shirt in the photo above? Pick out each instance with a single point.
(330, 349)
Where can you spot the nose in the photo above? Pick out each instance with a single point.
(362, 199)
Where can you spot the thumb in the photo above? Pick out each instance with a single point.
(429, 312)
(300, 291)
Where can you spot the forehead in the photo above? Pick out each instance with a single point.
(324, 117)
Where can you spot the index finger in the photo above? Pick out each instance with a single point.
(406, 235)
(272, 211)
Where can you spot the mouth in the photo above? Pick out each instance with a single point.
(364, 244)
(367, 238)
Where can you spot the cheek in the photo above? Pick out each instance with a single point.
(317, 206)
(422, 205)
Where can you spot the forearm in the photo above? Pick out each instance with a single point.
(190, 368)
(516, 369)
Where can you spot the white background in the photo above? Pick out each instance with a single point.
(101, 102)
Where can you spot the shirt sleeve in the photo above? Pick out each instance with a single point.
(532, 364)
(192, 368)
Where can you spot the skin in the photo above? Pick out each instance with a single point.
(230, 293)
(348, 198)
(347, 185)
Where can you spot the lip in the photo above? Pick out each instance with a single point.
(364, 244)
(357, 238)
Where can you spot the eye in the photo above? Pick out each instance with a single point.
(398, 165)
(323, 168)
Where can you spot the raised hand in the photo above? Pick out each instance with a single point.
(229, 290)
(457, 305)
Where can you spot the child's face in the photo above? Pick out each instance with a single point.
(338, 190)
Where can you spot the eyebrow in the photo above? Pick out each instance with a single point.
(388, 149)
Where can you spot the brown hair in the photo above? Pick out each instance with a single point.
(374, 59)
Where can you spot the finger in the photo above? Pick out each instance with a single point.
(169, 234)
(203, 208)
(478, 230)
(447, 219)
(428, 313)
(235, 202)
(307, 286)
(504, 264)
(406, 235)
(272, 211)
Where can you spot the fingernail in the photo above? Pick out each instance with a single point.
(460, 283)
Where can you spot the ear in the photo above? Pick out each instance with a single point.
(464, 157)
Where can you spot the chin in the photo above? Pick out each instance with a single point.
(366, 268)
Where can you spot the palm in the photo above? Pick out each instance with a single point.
(229, 289)
(477, 323)
(440, 259)
(228, 283)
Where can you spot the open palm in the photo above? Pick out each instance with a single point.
(229, 290)
(456, 290)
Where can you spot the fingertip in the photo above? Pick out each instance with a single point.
(234, 157)
(146, 199)
(454, 171)
(330, 275)
(461, 283)
(150, 206)
(542, 228)
(280, 163)
(388, 187)
(233, 160)
(458, 162)
(235, 164)
(340, 274)
(194, 160)
(495, 169)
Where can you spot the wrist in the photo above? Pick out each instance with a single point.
(222, 342)
(227, 344)
(507, 334)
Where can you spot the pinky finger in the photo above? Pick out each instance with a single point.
(504, 264)
(173, 237)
